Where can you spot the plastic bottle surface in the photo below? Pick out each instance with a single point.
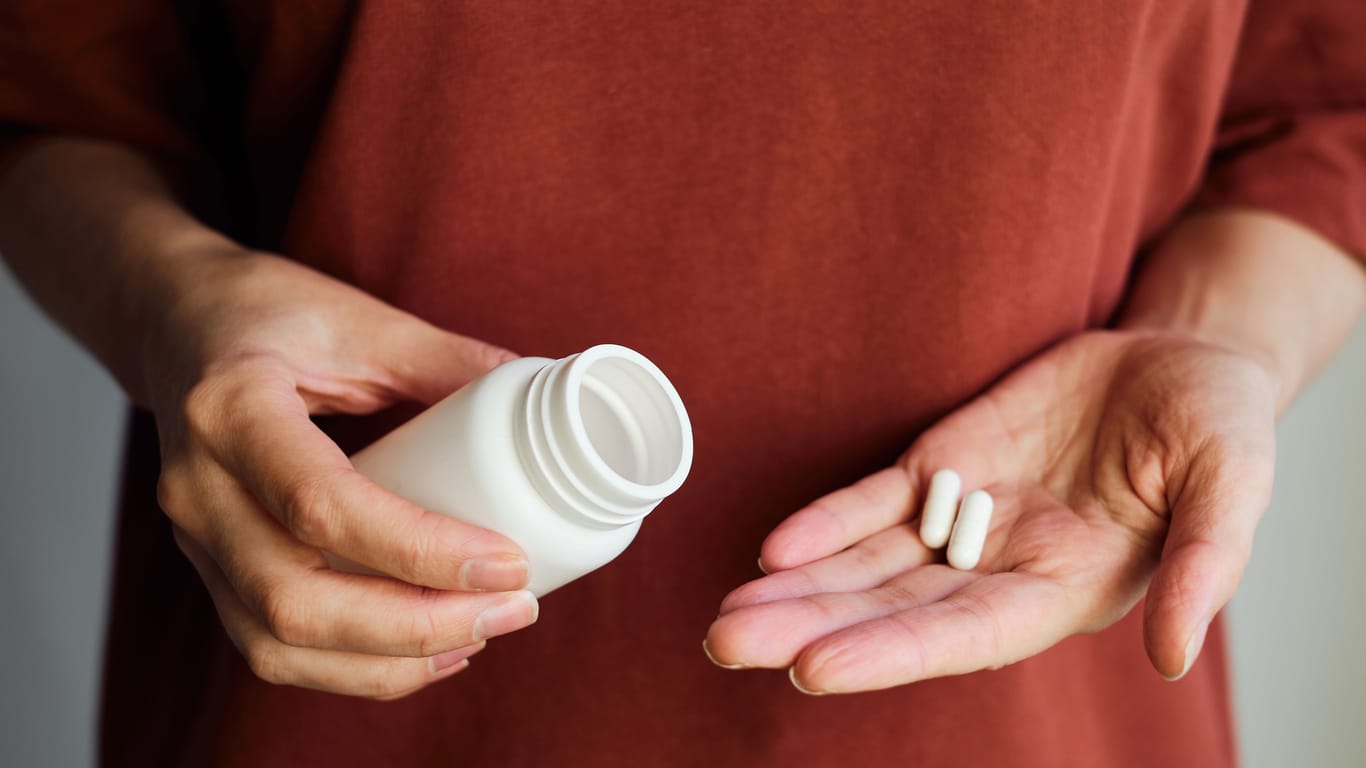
(564, 457)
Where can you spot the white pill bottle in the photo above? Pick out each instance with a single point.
(565, 457)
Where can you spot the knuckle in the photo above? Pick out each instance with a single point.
(914, 646)
(867, 556)
(425, 635)
(745, 594)
(1178, 585)
(267, 662)
(392, 680)
(171, 488)
(286, 617)
(201, 409)
(175, 493)
(896, 595)
(425, 546)
(222, 401)
(993, 635)
(309, 510)
(819, 666)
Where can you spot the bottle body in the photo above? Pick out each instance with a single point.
(542, 452)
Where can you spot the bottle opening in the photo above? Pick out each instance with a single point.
(606, 434)
(631, 421)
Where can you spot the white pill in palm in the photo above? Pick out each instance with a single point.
(941, 505)
(970, 531)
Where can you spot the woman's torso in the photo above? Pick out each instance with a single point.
(829, 223)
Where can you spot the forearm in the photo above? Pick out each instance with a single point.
(1253, 282)
(96, 235)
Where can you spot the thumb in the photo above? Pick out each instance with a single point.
(426, 363)
(1213, 520)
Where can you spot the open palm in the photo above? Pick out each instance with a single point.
(1120, 463)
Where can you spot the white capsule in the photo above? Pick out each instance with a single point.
(941, 504)
(970, 531)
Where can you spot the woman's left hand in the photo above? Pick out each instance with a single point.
(1120, 463)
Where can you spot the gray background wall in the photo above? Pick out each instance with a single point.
(1298, 621)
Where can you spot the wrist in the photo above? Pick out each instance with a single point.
(1279, 379)
(1254, 284)
(97, 237)
(176, 281)
(1195, 316)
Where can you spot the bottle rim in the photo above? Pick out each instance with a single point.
(558, 449)
(574, 385)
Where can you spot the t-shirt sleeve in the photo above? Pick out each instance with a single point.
(1292, 139)
(112, 70)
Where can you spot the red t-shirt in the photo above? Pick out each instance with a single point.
(829, 222)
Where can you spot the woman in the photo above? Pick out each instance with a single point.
(865, 242)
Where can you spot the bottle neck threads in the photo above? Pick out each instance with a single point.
(604, 435)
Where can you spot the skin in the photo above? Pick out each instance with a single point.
(1121, 461)
(233, 350)
(1128, 462)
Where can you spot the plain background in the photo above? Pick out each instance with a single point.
(1298, 620)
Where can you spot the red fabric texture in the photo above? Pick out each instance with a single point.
(115, 70)
(1293, 136)
(829, 222)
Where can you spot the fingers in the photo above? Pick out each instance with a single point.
(352, 674)
(315, 606)
(980, 446)
(1209, 541)
(303, 603)
(260, 490)
(993, 621)
(772, 634)
(975, 441)
(428, 363)
(268, 443)
(866, 565)
(840, 519)
(327, 609)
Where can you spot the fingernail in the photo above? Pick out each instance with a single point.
(513, 613)
(1192, 650)
(494, 573)
(792, 675)
(762, 569)
(455, 667)
(444, 661)
(707, 650)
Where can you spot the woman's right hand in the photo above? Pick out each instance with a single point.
(247, 348)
